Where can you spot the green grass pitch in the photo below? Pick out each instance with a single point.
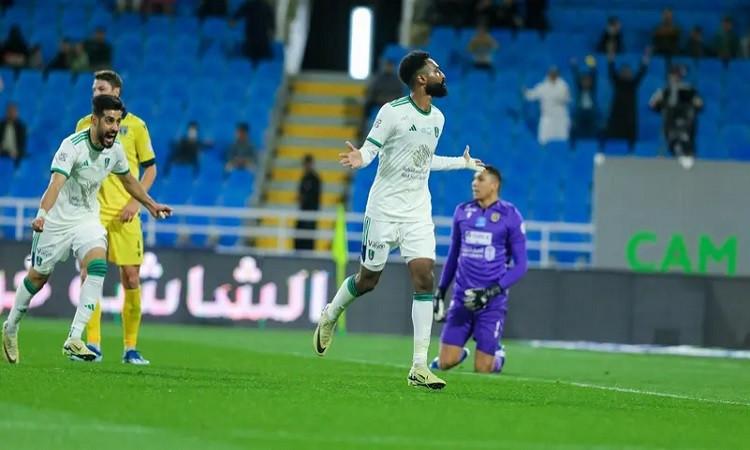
(233, 388)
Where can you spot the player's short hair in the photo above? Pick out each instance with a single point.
(111, 77)
(495, 172)
(102, 103)
(410, 65)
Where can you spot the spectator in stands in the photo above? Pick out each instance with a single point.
(12, 135)
(79, 60)
(241, 153)
(453, 13)
(623, 116)
(186, 149)
(726, 42)
(61, 61)
(482, 46)
(259, 28)
(15, 49)
(536, 14)
(679, 104)
(36, 58)
(213, 8)
(554, 96)
(384, 87)
(666, 38)
(745, 45)
(586, 117)
(308, 195)
(124, 6)
(508, 15)
(158, 6)
(611, 39)
(425, 16)
(695, 46)
(99, 51)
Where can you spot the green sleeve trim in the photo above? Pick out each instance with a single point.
(60, 171)
(374, 142)
(426, 297)
(121, 173)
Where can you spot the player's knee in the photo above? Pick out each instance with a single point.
(366, 280)
(424, 282)
(483, 366)
(36, 279)
(131, 277)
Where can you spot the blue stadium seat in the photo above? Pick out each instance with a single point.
(617, 147)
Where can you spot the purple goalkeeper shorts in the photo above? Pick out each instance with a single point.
(485, 325)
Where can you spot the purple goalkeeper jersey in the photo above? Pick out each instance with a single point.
(484, 242)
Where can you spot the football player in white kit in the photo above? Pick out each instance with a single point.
(68, 220)
(399, 210)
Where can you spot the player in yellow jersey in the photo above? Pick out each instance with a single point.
(120, 215)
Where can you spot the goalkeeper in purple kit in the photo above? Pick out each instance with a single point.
(487, 256)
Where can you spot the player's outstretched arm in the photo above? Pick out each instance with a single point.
(130, 211)
(135, 189)
(56, 182)
(457, 162)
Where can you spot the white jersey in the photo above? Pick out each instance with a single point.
(405, 138)
(85, 168)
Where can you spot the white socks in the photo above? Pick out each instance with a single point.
(344, 297)
(421, 317)
(91, 292)
(25, 291)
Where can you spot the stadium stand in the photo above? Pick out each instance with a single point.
(175, 69)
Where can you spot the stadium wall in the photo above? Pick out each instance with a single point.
(192, 286)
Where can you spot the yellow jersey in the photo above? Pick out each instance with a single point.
(137, 144)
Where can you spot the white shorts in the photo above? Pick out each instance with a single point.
(414, 239)
(51, 247)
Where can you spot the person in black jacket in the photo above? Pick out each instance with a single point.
(309, 200)
(679, 104)
(623, 116)
(586, 115)
(611, 39)
(12, 135)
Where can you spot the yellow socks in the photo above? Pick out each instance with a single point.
(131, 317)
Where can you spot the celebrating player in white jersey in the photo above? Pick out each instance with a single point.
(68, 220)
(399, 211)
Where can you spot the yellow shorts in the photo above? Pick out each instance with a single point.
(125, 240)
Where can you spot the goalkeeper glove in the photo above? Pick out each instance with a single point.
(476, 299)
(438, 305)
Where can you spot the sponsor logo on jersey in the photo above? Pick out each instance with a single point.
(422, 156)
(478, 237)
(481, 222)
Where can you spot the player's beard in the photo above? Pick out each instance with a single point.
(436, 89)
(102, 136)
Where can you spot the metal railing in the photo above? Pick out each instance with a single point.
(544, 239)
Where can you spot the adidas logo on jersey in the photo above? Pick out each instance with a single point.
(85, 164)
(413, 128)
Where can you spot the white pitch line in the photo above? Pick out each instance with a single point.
(556, 381)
